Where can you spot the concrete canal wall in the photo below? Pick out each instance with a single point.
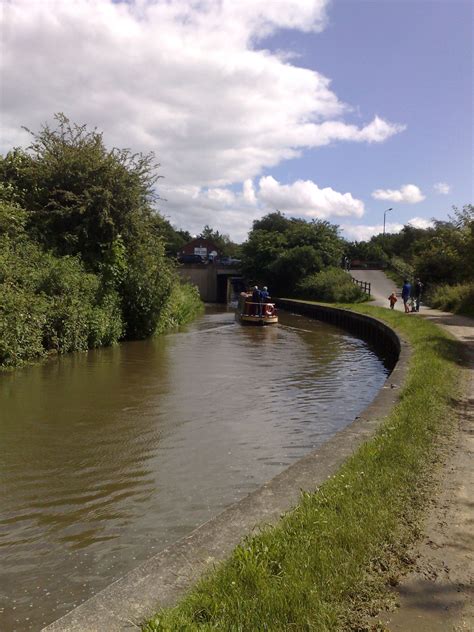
(372, 330)
(164, 578)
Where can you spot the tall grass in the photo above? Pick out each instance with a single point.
(181, 307)
(458, 299)
(326, 564)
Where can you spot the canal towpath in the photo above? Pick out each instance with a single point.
(437, 595)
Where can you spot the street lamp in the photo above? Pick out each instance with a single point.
(384, 214)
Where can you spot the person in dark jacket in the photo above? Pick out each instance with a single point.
(417, 294)
(257, 299)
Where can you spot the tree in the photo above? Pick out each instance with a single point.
(80, 195)
(85, 201)
(440, 254)
(226, 247)
(281, 251)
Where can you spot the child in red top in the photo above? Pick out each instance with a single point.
(393, 299)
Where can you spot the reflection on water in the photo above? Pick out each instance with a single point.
(109, 456)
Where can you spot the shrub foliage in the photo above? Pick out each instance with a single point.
(331, 285)
(82, 256)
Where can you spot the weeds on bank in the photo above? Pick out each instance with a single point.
(458, 298)
(326, 564)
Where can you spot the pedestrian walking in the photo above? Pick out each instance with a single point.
(406, 293)
(393, 299)
(417, 294)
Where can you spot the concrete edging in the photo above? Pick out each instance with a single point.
(164, 578)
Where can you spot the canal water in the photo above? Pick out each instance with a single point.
(109, 456)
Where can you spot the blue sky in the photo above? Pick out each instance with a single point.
(323, 109)
(413, 63)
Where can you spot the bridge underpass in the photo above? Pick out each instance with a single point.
(216, 283)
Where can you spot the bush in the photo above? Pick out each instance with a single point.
(79, 316)
(332, 285)
(458, 299)
(22, 318)
(182, 306)
(146, 287)
(48, 303)
(82, 258)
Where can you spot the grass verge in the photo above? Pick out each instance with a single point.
(327, 563)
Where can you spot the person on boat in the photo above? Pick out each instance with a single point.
(265, 295)
(257, 299)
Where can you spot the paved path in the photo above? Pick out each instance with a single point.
(438, 595)
(381, 285)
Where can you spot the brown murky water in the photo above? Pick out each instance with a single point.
(107, 457)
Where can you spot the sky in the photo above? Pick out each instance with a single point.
(323, 109)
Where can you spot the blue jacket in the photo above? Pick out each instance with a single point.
(406, 290)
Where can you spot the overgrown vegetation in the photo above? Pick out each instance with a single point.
(281, 253)
(458, 299)
(326, 565)
(331, 285)
(82, 254)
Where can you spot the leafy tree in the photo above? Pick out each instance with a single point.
(83, 200)
(174, 239)
(260, 252)
(292, 266)
(80, 195)
(223, 242)
(281, 251)
(274, 222)
(446, 256)
(441, 254)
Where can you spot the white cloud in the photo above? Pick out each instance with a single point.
(233, 213)
(362, 232)
(442, 188)
(305, 199)
(408, 193)
(248, 192)
(221, 195)
(193, 207)
(420, 222)
(184, 79)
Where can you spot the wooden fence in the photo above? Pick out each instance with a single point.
(364, 285)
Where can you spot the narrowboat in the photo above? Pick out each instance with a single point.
(250, 313)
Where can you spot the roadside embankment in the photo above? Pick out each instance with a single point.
(326, 563)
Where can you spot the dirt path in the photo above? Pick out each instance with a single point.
(438, 594)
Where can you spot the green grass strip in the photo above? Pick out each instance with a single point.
(326, 564)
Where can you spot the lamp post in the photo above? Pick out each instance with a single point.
(384, 214)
